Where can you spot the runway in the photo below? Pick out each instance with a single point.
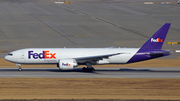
(110, 72)
(38, 24)
(45, 24)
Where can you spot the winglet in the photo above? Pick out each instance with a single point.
(157, 40)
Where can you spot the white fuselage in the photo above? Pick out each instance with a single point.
(53, 55)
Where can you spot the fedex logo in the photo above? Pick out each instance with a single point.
(67, 64)
(43, 55)
(156, 40)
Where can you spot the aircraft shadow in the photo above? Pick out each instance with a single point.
(138, 70)
(96, 71)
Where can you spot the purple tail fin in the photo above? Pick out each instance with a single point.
(157, 40)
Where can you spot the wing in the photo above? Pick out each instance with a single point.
(95, 58)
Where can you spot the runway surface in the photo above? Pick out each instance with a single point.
(110, 72)
(88, 24)
(44, 24)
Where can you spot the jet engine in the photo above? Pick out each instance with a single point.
(67, 64)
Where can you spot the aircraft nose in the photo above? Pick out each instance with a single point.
(7, 58)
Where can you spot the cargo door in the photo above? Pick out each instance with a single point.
(22, 57)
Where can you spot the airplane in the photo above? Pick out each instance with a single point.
(69, 58)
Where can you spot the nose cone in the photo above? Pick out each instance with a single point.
(8, 58)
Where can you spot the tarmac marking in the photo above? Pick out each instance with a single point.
(81, 35)
(36, 22)
(45, 28)
(4, 49)
(35, 18)
(82, 13)
(119, 26)
(79, 45)
(50, 32)
(53, 34)
(105, 21)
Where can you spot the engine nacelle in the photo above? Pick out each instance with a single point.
(67, 64)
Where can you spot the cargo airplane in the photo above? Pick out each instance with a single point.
(69, 58)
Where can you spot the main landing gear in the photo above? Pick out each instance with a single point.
(19, 65)
(89, 68)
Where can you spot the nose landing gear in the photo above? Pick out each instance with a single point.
(19, 65)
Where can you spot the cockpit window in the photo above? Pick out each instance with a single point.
(10, 54)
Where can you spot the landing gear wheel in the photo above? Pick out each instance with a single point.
(88, 69)
(19, 69)
(84, 68)
(91, 69)
(19, 65)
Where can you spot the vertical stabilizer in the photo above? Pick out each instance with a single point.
(157, 40)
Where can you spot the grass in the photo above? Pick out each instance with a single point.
(89, 88)
(92, 88)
